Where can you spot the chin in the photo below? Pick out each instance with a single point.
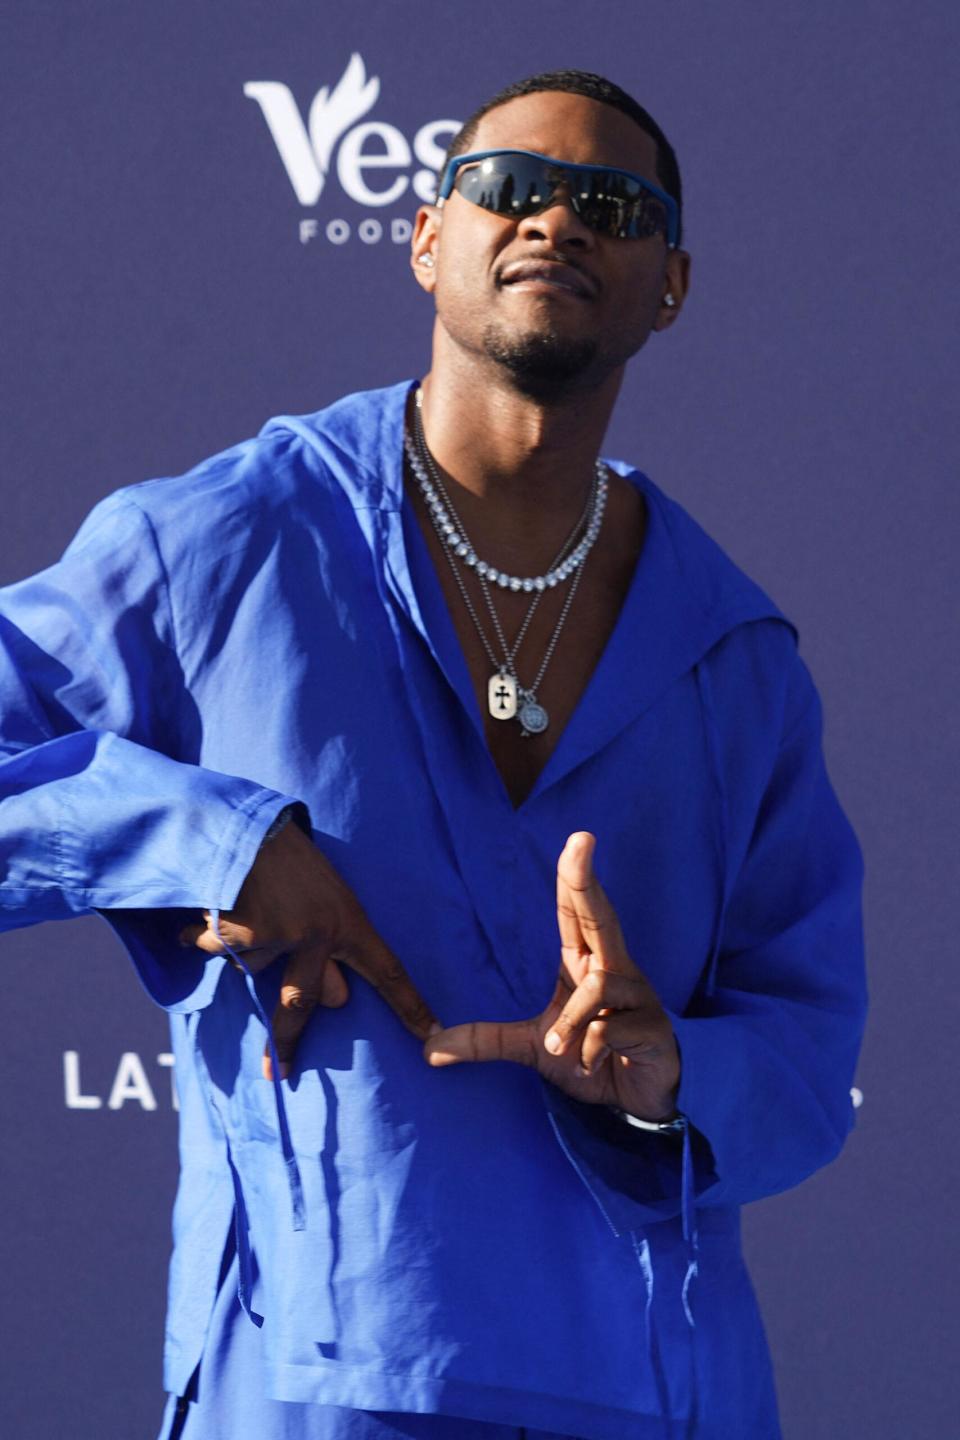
(543, 363)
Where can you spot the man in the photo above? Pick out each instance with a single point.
(440, 645)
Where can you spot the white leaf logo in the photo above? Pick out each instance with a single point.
(332, 115)
(306, 157)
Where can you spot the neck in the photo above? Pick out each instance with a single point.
(522, 465)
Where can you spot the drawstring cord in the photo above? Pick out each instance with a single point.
(641, 1249)
(721, 842)
(688, 1211)
(691, 1238)
(644, 1258)
(294, 1181)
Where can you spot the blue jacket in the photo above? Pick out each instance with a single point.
(269, 628)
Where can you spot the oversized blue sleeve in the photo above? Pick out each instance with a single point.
(102, 806)
(769, 1045)
(768, 1055)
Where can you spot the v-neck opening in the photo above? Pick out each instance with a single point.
(449, 652)
(684, 595)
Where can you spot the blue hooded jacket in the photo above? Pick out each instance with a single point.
(269, 629)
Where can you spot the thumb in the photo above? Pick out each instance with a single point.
(484, 1040)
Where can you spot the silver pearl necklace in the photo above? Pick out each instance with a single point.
(507, 699)
(451, 529)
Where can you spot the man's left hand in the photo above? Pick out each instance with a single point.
(604, 1038)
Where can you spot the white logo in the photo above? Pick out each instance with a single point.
(130, 1083)
(372, 159)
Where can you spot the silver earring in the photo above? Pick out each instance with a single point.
(670, 301)
(425, 260)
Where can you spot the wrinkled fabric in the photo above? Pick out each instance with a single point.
(222, 1404)
(268, 629)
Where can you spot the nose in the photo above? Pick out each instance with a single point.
(559, 225)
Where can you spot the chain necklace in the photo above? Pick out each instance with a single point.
(486, 579)
(455, 535)
(451, 528)
(506, 697)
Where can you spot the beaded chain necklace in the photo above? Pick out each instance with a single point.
(507, 698)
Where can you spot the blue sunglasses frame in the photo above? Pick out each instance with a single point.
(457, 163)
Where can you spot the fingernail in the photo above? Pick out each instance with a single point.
(553, 1042)
(435, 1028)
(438, 1058)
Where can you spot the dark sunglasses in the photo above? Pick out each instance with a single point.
(517, 183)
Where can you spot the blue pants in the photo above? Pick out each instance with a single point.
(226, 1400)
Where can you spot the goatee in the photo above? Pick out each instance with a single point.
(541, 364)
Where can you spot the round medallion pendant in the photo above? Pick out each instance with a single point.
(533, 717)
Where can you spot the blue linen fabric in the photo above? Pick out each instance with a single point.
(225, 1402)
(269, 629)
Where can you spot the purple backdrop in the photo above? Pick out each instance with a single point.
(171, 279)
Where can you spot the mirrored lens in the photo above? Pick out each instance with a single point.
(615, 205)
(608, 201)
(514, 185)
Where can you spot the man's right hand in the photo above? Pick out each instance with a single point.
(293, 902)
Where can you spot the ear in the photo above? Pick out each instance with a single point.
(424, 246)
(676, 283)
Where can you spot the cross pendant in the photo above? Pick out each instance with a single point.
(502, 696)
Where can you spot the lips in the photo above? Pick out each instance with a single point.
(559, 275)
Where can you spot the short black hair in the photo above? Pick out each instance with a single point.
(593, 87)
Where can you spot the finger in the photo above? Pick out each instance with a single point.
(258, 958)
(205, 937)
(334, 991)
(599, 990)
(301, 991)
(484, 1040)
(571, 936)
(584, 909)
(639, 1037)
(372, 958)
(594, 1048)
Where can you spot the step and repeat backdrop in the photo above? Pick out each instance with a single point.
(206, 212)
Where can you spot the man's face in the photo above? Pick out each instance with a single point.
(554, 303)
